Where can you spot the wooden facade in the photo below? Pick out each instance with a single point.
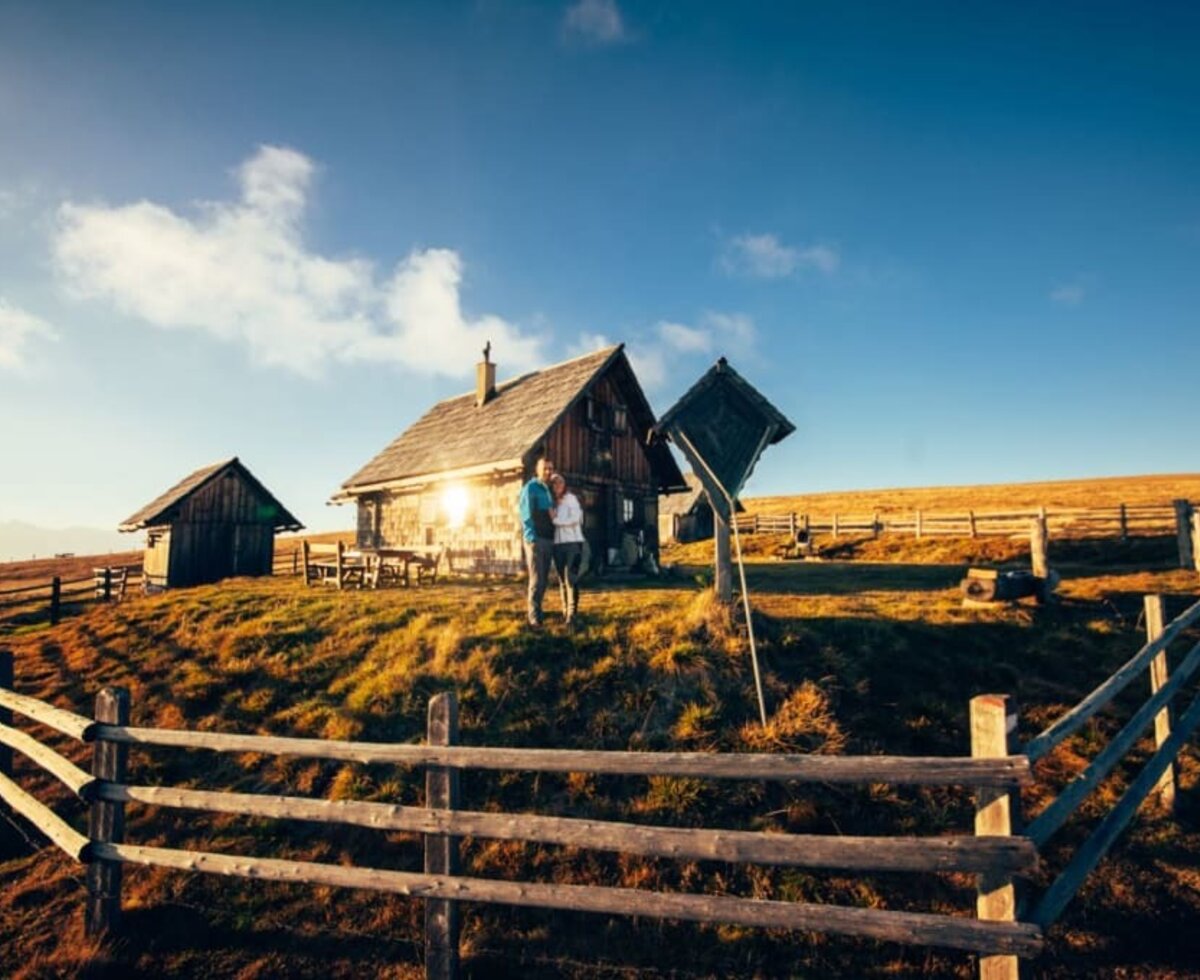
(216, 523)
(588, 416)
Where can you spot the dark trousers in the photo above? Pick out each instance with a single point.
(568, 559)
(538, 556)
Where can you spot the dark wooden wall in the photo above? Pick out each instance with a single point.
(225, 528)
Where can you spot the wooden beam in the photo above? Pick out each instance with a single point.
(904, 770)
(442, 923)
(1075, 792)
(915, 928)
(61, 833)
(993, 731)
(106, 819)
(1159, 675)
(66, 722)
(1060, 893)
(65, 771)
(1075, 719)
(1012, 854)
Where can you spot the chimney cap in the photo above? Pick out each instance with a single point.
(487, 350)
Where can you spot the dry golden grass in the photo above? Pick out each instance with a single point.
(1103, 492)
(859, 657)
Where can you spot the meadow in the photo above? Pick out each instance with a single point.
(867, 651)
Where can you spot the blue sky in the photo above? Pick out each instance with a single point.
(955, 243)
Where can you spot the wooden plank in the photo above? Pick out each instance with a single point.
(41, 586)
(915, 928)
(1057, 813)
(442, 923)
(906, 770)
(1037, 549)
(106, 819)
(1012, 854)
(64, 770)
(60, 833)
(722, 560)
(993, 735)
(1090, 853)
(1195, 539)
(1074, 719)
(1159, 675)
(66, 722)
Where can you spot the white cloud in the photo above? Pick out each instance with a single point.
(766, 257)
(687, 340)
(735, 328)
(18, 329)
(241, 271)
(1068, 294)
(595, 21)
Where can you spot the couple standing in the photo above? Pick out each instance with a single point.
(552, 522)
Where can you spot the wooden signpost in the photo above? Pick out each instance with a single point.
(722, 424)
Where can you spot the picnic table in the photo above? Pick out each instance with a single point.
(395, 564)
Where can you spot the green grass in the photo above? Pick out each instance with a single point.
(859, 657)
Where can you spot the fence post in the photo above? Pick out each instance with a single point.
(1124, 523)
(875, 526)
(993, 735)
(107, 583)
(106, 821)
(441, 850)
(1037, 557)
(792, 525)
(971, 522)
(55, 600)
(1196, 539)
(835, 524)
(6, 718)
(1183, 533)
(917, 525)
(1159, 674)
(806, 526)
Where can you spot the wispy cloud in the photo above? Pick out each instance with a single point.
(595, 22)
(19, 331)
(764, 256)
(671, 346)
(1069, 293)
(241, 271)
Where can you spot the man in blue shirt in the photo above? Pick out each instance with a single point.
(538, 530)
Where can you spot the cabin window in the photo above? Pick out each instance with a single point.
(627, 510)
(593, 413)
(620, 418)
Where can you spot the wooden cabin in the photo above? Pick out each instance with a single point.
(686, 516)
(454, 476)
(216, 523)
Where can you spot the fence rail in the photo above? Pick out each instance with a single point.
(49, 597)
(995, 770)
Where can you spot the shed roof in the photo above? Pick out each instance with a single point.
(156, 512)
(456, 434)
(686, 502)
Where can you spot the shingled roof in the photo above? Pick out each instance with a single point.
(456, 434)
(155, 512)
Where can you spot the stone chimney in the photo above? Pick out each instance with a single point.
(485, 378)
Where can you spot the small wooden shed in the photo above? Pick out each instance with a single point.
(216, 523)
(687, 516)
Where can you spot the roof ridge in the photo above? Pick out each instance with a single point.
(549, 367)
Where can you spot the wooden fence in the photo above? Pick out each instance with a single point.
(1181, 518)
(49, 599)
(995, 770)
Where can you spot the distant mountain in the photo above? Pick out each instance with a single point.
(20, 541)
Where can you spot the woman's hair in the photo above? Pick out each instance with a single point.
(558, 479)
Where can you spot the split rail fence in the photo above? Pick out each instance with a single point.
(1008, 925)
(1123, 520)
(49, 599)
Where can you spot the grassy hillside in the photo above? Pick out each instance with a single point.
(1105, 492)
(862, 657)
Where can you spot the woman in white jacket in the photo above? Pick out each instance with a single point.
(568, 545)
